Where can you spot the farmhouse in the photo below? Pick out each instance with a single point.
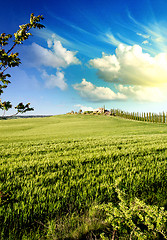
(99, 110)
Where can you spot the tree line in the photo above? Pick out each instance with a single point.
(146, 117)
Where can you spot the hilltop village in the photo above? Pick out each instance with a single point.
(99, 111)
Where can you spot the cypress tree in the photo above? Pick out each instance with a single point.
(152, 117)
(156, 118)
(163, 117)
(149, 117)
(159, 117)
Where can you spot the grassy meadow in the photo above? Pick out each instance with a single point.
(78, 176)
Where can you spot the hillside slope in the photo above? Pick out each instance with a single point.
(54, 170)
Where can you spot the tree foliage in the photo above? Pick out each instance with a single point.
(8, 59)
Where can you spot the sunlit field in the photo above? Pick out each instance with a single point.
(59, 175)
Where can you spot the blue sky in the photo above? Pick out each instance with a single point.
(91, 54)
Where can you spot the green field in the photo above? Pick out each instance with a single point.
(60, 177)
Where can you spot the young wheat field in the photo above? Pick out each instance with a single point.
(82, 177)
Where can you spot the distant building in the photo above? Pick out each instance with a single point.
(99, 110)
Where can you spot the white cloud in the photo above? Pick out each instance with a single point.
(94, 93)
(159, 39)
(145, 42)
(106, 63)
(52, 81)
(129, 65)
(84, 108)
(143, 35)
(49, 42)
(110, 38)
(154, 32)
(140, 93)
(56, 56)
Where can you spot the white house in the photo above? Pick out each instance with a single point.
(99, 110)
